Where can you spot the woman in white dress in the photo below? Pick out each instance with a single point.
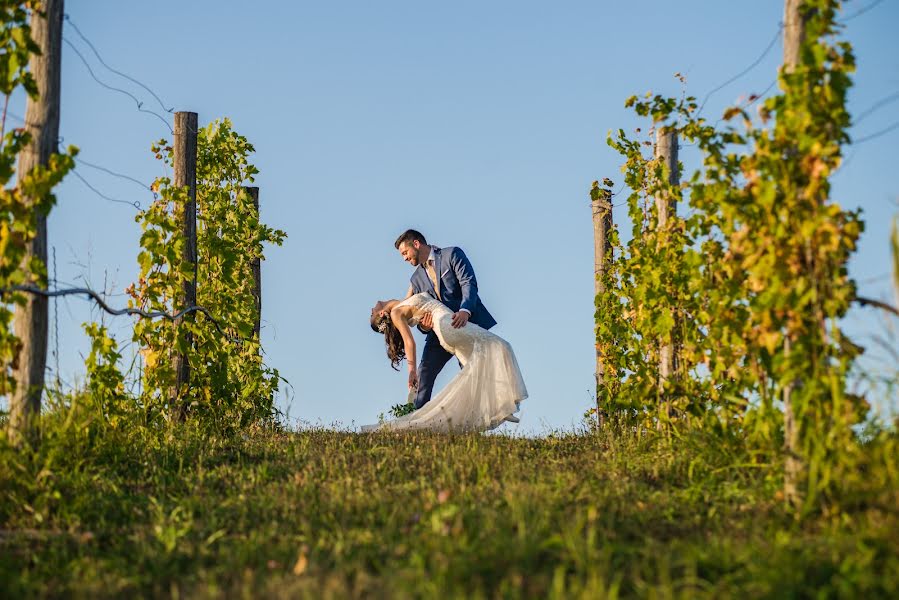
(486, 392)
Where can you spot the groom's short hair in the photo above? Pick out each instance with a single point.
(409, 236)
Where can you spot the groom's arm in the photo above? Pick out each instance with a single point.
(467, 280)
(426, 325)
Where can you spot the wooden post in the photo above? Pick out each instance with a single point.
(253, 192)
(666, 207)
(794, 32)
(792, 460)
(42, 122)
(185, 159)
(794, 35)
(601, 200)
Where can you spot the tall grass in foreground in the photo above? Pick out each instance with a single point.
(621, 512)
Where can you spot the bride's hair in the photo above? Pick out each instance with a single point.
(396, 349)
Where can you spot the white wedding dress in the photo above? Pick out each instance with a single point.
(483, 394)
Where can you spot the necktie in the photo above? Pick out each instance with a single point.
(433, 275)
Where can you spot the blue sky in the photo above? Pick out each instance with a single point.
(482, 124)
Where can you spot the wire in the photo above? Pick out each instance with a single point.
(752, 100)
(115, 89)
(81, 161)
(861, 11)
(749, 103)
(59, 380)
(762, 95)
(15, 117)
(119, 73)
(135, 204)
(876, 134)
(754, 64)
(880, 103)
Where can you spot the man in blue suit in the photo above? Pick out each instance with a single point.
(446, 274)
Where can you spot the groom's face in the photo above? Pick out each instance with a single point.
(411, 252)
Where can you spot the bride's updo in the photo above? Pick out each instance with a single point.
(396, 349)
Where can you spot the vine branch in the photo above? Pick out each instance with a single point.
(877, 304)
(30, 289)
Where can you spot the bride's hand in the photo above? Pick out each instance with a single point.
(413, 379)
(427, 321)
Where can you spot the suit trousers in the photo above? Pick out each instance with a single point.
(433, 358)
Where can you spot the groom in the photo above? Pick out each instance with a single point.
(446, 274)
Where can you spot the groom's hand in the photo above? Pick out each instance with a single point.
(460, 319)
(427, 321)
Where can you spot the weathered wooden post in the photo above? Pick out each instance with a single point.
(666, 207)
(42, 122)
(794, 34)
(253, 192)
(185, 166)
(601, 205)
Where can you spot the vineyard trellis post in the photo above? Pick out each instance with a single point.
(601, 205)
(253, 192)
(666, 207)
(794, 35)
(30, 322)
(185, 167)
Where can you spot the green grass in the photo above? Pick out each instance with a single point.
(324, 514)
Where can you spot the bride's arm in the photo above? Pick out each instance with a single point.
(400, 315)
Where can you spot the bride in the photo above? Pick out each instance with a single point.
(486, 392)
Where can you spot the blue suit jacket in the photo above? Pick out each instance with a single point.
(458, 284)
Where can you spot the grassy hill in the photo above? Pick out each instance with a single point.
(324, 514)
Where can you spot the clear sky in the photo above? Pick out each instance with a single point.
(482, 124)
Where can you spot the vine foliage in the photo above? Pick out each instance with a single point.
(230, 385)
(751, 282)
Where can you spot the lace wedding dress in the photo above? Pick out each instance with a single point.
(483, 394)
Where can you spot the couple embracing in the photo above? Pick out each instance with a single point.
(443, 302)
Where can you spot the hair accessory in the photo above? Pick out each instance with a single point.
(382, 326)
